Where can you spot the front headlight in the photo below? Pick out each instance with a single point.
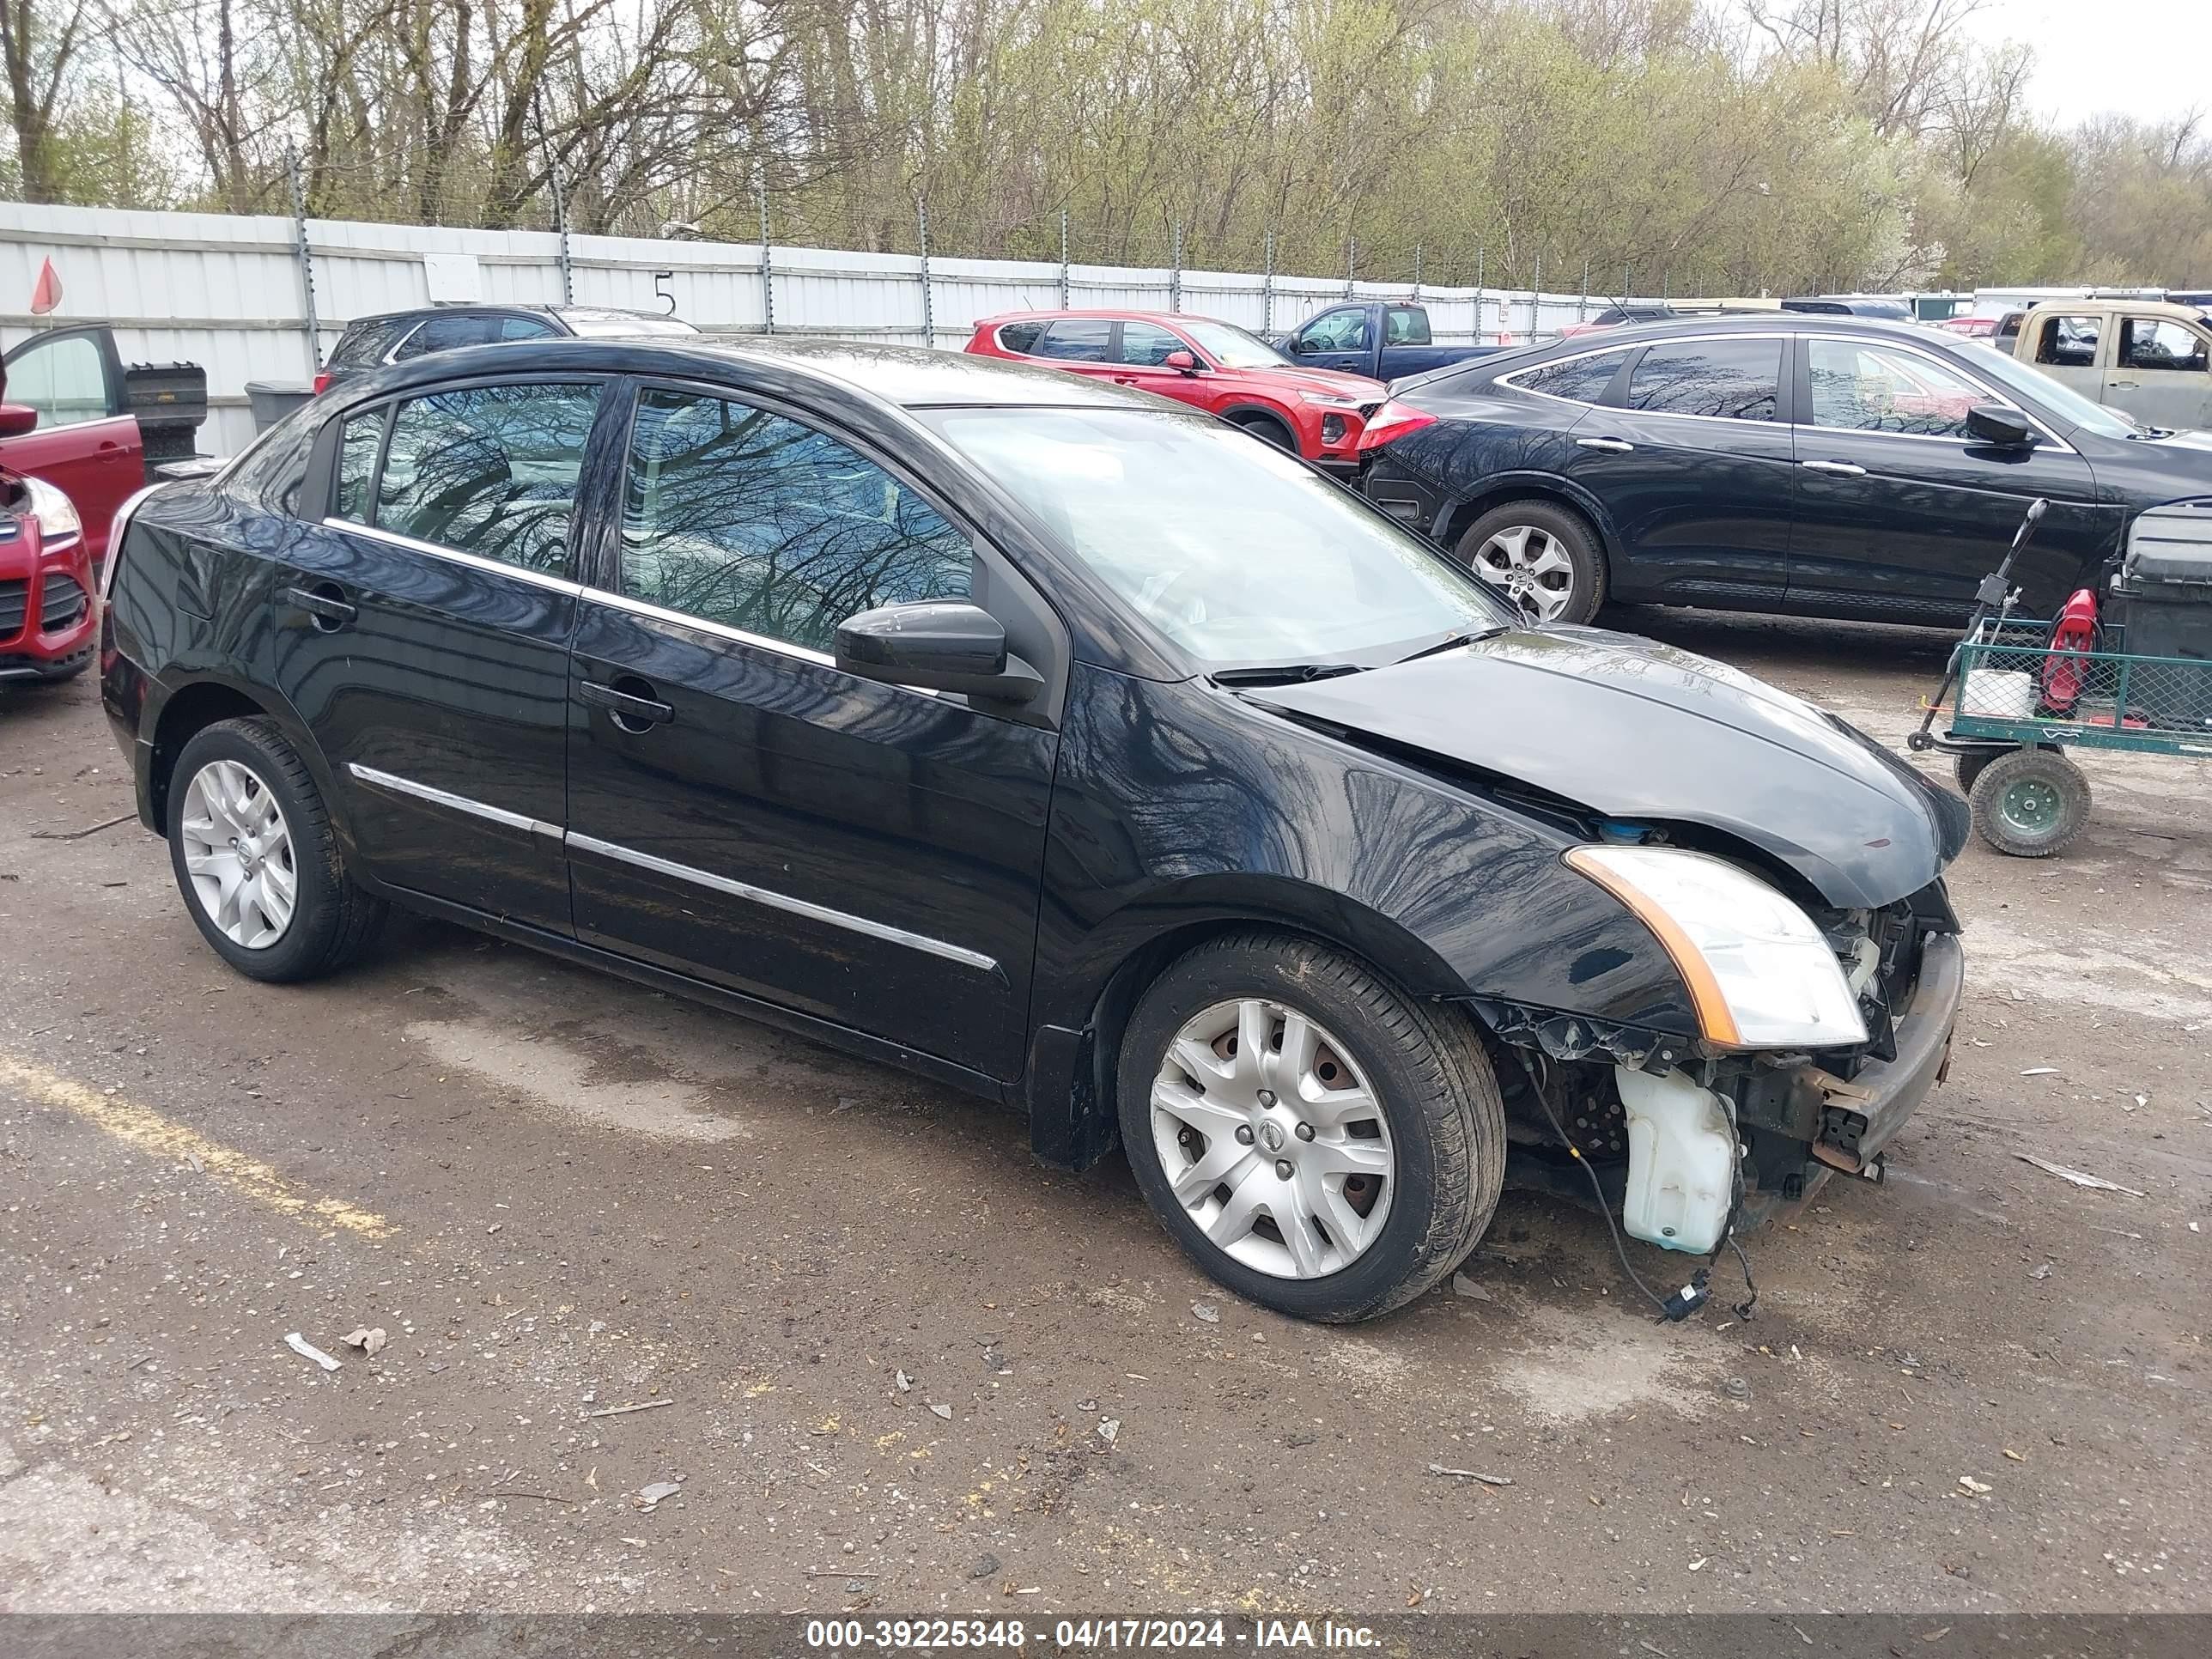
(55, 511)
(1759, 972)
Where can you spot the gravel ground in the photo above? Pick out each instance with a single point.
(887, 1362)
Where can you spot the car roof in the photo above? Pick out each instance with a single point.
(2179, 313)
(1114, 315)
(909, 376)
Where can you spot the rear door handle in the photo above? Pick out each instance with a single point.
(325, 604)
(2123, 386)
(1843, 469)
(629, 710)
(1610, 445)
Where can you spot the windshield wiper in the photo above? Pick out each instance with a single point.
(1452, 642)
(1291, 673)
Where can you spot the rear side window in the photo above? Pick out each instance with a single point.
(1019, 336)
(741, 517)
(1077, 340)
(488, 470)
(446, 333)
(367, 341)
(1721, 380)
(359, 445)
(1579, 379)
(2068, 341)
(1405, 325)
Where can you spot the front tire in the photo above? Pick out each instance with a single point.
(1543, 558)
(1314, 1140)
(256, 859)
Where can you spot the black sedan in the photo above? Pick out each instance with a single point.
(1816, 465)
(1056, 741)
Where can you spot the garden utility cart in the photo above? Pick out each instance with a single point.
(2136, 675)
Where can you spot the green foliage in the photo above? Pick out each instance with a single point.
(1663, 145)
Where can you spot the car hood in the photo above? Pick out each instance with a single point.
(1328, 382)
(1633, 729)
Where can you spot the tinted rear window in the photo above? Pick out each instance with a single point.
(1579, 379)
(1725, 379)
(366, 342)
(1077, 340)
(1019, 336)
(444, 333)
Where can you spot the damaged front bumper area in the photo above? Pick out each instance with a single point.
(1802, 1123)
(1685, 1142)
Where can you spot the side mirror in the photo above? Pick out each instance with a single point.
(2005, 428)
(944, 645)
(1182, 361)
(16, 419)
(1296, 345)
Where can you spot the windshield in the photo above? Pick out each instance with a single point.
(1230, 347)
(1230, 548)
(2060, 399)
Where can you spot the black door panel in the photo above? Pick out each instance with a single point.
(441, 706)
(1691, 456)
(1898, 515)
(861, 852)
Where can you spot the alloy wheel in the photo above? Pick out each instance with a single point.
(238, 854)
(1273, 1140)
(1531, 566)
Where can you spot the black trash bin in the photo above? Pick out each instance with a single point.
(273, 400)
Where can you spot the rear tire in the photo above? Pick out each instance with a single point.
(256, 859)
(2031, 803)
(1542, 558)
(1969, 766)
(1420, 1119)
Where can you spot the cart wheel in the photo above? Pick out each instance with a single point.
(1971, 765)
(2031, 803)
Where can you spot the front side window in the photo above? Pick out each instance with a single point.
(2161, 345)
(1721, 379)
(1579, 379)
(1342, 329)
(1230, 347)
(1168, 509)
(2068, 341)
(1147, 345)
(488, 470)
(1077, 340)
(1861, 387)
(65, 380)
(748, 519)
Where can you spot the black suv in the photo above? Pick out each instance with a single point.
(938, 707)
(393, 337)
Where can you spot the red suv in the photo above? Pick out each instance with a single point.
(1214, 366)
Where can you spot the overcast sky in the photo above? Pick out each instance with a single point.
(2146, 58)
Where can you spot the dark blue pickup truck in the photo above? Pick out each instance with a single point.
(1385, 340)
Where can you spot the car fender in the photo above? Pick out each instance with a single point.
(1248, 402)
(163, 691)
(1461, 510)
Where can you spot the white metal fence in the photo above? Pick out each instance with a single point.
(236, 294)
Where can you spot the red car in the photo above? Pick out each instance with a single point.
(49, 617)
(73, 427)
(1214, 366)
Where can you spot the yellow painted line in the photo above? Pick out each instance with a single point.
(148, 1131)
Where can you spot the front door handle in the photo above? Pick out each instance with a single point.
(326, 605)
(2123, 386)
(633, 710)
(1843, 469)
(1610, 445)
